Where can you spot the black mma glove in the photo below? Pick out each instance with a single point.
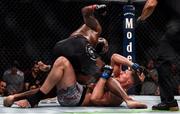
(102, 6)
(100, 9)
(135, 66)
(106, 72)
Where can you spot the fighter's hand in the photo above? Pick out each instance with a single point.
(140, 70)
(101, 9)
(102, 6)
(137, 68)
(44, 67)
(106, 72)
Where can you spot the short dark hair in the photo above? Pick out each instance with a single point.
(136, 74)
(135, 77)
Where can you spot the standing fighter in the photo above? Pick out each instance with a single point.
(169, 50)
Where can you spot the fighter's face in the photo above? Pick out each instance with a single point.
(129, 77)
(136, 76)
(125, 79)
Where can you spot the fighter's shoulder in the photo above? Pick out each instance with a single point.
(81, 30)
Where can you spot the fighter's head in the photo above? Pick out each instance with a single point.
(134, 77)
(139, 76)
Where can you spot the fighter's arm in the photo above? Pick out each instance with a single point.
(116, 88)
(112, 84)
(148, 9)
(101, 97)
(97, 96)
(89, 18)
(99, 62)
(118, 60)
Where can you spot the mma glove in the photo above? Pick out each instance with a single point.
(100, 9)
(139, 69)
(135, 66)
(102, 6)
(106, 72)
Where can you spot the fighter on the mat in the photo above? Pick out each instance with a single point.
(99, 94)
(76, 58)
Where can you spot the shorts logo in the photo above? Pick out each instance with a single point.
(90, 52)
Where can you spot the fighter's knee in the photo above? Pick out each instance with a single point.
(61, 61)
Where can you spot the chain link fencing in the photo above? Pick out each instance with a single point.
(30, 28)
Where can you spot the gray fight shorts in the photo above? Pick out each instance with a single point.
(71, 96)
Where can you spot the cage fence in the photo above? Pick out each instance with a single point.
(30, 28)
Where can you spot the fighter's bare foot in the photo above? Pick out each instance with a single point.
(135, 104)
(8, 101)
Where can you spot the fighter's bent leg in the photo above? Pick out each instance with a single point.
(62, 70)
(61, 75)
(9, 100)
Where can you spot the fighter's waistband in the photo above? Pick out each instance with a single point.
(83, 96)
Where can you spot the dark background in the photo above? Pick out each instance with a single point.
(30, 28)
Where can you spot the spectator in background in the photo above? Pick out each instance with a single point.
(149, 87)
(2, 87)
(14, 79)
(37, 75)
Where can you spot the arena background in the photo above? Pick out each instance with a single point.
(30, 28)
